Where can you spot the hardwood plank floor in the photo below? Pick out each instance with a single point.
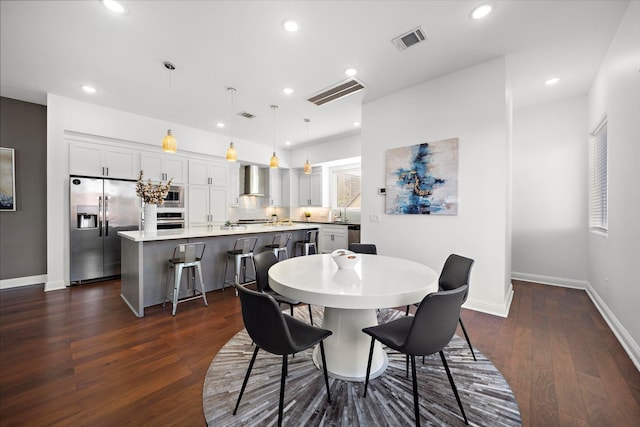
(80, 357)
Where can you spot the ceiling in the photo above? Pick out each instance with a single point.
(57, 46)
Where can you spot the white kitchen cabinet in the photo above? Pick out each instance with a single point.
(233, 189)
(275, 188)
(215, 173)
(163, 167)
(310, 189)
(332, 237)
(99, 160)
(207, 204)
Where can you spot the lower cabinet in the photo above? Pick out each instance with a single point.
(207, 204)
(332, 237)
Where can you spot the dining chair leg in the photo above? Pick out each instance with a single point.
(416, 408)
(324, 368)
(282, 377)
(246, 378)
(366, 379)
(310, 315)
(453, 386)
(407, 363)
(464, 330)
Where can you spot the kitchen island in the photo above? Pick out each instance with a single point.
(145, 256)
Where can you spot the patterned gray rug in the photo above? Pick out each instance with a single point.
(486, 396)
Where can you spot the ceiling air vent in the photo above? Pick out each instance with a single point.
(246, 115)
(409, 39)
(338, 91)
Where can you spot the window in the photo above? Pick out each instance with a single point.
(598, 178)
(345, 187)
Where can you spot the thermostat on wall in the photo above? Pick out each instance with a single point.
(382, 191)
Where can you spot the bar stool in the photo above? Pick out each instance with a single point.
(241, 252)
(309, 241)
(279, 245)
(185, 256)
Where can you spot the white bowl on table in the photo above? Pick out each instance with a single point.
(345, 259)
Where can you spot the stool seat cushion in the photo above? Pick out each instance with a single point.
(180, 260)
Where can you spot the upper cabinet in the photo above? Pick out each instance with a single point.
(163, 167)
(310, 189)
(233, 191)
(275, 188)
(98, 160)
(215, 173)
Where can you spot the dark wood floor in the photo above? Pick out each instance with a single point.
(80, 357)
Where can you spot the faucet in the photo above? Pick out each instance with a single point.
(344, 218)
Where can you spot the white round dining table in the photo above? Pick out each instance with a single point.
(350, 299)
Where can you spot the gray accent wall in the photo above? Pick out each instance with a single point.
(23, 233)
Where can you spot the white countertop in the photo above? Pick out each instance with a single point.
(209, 231)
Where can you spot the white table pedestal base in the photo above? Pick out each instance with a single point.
(347, 350)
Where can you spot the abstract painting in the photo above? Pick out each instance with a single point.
(423, 179)
(7, 180)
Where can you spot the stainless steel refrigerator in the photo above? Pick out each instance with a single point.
(99, 208)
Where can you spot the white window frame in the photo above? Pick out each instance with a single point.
(598, 179)
(332, 184)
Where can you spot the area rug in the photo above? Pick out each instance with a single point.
(485, 394)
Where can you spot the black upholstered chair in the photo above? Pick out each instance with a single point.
(428, 332)
(277, 333)
(363, 248)
(455, 273)
(263, 262)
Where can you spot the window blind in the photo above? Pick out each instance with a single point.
(598, 190)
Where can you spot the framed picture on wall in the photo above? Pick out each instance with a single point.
(7, 179)
(423, 179)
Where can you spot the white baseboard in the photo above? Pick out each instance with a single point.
(627, 342)
(501, 310)
(550, 280)
(54, 285)
(23, 281)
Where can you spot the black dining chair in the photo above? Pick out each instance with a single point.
(363, 248)
(279, 334)
(426, 333)
(263, 262)
(455, 273)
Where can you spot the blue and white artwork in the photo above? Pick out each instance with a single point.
(423, 179)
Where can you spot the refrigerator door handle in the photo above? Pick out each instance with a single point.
(100, 216)
(106, 215)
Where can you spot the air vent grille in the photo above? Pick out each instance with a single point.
(246, 115)
(409, 39)
(336, 92)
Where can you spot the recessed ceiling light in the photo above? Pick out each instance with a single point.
(287, 143)
(552, 81)
(287, 91)
(350, 72)
(88, 89)
(481, 11)
(356, 124)
(290, 26)
(115, 6)
(220, 125)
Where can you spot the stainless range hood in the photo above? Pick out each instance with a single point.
(253, 185)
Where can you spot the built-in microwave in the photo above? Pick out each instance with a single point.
(175, 197)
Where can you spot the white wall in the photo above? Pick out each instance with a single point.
(613, 259)
(550, 193)
(67, 115)
(472, 105)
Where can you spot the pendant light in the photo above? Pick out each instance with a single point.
(307, 165)
(273, 163)
(232, 156)
(169, 143)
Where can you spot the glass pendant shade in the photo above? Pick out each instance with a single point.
(232, 156)
(307, 168)
(169, 143)
(273, 163)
